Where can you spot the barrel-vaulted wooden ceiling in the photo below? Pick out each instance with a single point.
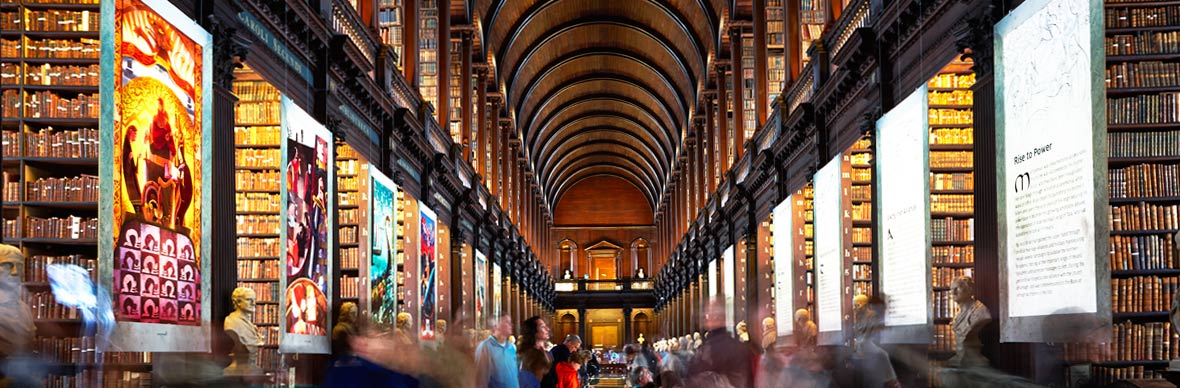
(601, 87)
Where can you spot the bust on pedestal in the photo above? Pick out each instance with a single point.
(805, 329)
(967, 324)
(239, 325)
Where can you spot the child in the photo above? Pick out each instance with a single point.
(567, 371)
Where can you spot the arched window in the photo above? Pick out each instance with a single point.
(642, 325)
(641, 258)
(567, 253)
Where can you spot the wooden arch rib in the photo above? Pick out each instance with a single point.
(612, 63)
(590, 130)
(611, 169)
(594, 85)
(590, 147)
(590, 159)
(605, 105)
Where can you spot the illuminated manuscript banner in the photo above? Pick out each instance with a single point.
(382, 248)
(829, 252)
(784, 266)
(481, 289)
(308, 208)
(427, 292)
(156, 122)
(497, 291)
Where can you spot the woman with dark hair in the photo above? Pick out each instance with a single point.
(533, 334)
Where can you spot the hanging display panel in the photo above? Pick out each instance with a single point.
(382, 248)
(728, 290)
(829, 248)
(427, 264)
(903, 194)
(308, 185)
(481, 288)
(497, 291)
(784, 266)
(1051, 190)
(156, 124)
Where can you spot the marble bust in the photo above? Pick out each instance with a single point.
(805, 329)
(968, 323)
(769, 333)
(742, 331)
(16, 318)
(239, 326)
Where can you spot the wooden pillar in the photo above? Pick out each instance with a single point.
(443, 110)
(481, 124)
(793, 44)
(723, 143)
(465, 95)
(761, 91)
(410, 43)
(738, 96)
(711, 134)
(223, 277)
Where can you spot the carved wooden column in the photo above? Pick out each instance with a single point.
(465, 95)
(761, 90)
(481, 123)
(443, 110)
(410, 43)
(711, 145)
(723, 142)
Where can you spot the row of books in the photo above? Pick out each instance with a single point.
(249, 91)
(952, 181)
(862, 174)
(72, 227)
(349, 166)
(84, 48)
(1144, 216)
(861, 158)
(266, 314)
(258, 224)
(91, 378)
(348, 235)
(951, 159)
(11, 189)
(944, 339)
(71, 350)
(1142, 17)
(257, 180)
(47, 104)
(53, 189)
(942, 276)
(955, 97)
(1142, 252)
(45, 306)
(346, 152)
(950, 229)
(951, 117)
(257, 247)
(952, 254)
(1104, 376)
(350, 258)
(264, 292)
(53, 143)
(64, 75)
(1143, 144)
(348, 198)
(36, 265)
(61, 20)
(257, 202)
(951, 80)
(862, 211)
(349, 216)
(11, 228)
(1152, 341)
(258, 112)
(1145, 180)
(258, 269)
(862, 235)
(252, 157)
(944, 306)
(862, 288)
(1144, 43)
(347, 183)
(952, 136)
(1147, 74)
(1142, 293)
(258, 135)
(862, 254)
(861, 193)
(862, 272)
(1161, 108)
(350, 287)
(11, 143)
(952, 203)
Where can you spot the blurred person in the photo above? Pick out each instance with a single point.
(720, 352)
(534, 363)
(709, 379)
(696, 341)
(568, 372)
(449, 364)
(373, 362)
(875, 366)
(673, 368)
(591, 369)
(495, 357)
(560, 353)
(636, 364)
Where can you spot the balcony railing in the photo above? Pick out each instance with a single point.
(577, 285)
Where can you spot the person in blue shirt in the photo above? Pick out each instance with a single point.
(495, 358)
(534, 364)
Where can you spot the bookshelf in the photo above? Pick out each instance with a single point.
(391, 26)
(812, 18)
(776, 69)
(258, 162)
(1143, 150)
(805, 204)
(455, 105)
(428, 46)
(407, 211)
(749, 99)
(352, 188)
(952, 200)
(49, 77)
(861, 232)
